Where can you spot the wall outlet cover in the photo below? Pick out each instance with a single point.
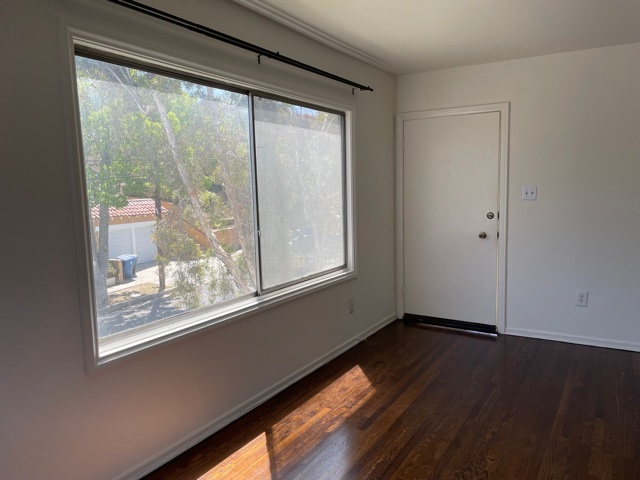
(582, 298)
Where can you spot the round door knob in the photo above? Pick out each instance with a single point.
(482, 234)
(490, 215)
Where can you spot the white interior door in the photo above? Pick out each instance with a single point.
(451, 188)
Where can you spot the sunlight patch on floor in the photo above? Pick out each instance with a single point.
(325, 412)
(241, 463)
(328, 410)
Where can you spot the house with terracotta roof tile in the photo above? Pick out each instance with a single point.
(130, 228)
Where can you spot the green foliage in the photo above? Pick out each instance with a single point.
(186, 260)
(129, 152)
(220, 285)
(112, 270)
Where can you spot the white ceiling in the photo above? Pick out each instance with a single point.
(405, 36)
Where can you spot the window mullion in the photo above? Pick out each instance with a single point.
(254, 193)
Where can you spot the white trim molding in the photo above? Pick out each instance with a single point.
(280, 16)
(217, 424)
(503, 110)
(576, 339)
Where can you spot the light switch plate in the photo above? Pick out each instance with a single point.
(529, 192)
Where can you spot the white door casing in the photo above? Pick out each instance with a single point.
(443, 268)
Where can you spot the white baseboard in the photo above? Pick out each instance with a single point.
(580, 340)
(222, 421)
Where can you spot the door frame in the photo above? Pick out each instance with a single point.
(503, 177)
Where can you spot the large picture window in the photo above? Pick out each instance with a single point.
(201, 197)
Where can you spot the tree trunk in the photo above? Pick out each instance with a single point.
(161, 272)
(101, 258)
(235, 196)
(245, 232)
(192, 192)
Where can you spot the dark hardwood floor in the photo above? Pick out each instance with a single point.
(416, 402)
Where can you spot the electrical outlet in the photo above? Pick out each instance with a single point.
(529, 192)
(582, 299)
(352, 305)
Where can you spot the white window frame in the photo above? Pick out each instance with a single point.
(98, 355)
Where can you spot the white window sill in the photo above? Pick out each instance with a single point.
(118, 346)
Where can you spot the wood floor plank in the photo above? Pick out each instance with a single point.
(416, 402)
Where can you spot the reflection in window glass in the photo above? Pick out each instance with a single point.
(168, 178)
(300, 178)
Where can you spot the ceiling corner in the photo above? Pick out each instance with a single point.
(276, 14)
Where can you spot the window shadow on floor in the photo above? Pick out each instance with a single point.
(330, 423)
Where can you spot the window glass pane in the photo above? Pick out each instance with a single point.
(168, 176)
(300, 173)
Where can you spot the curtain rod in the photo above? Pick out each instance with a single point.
(223, 37)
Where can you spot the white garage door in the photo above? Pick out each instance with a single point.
(145, 248)
(132, 238)
(119, 240)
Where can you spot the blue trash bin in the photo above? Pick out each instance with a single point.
(129, 265)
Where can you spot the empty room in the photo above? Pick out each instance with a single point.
(269, 239)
